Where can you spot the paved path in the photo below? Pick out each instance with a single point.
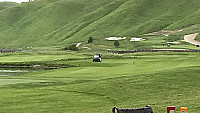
(191, 39)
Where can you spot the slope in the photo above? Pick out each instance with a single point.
(136, 17)
(28, 22)
(55, 22)
(4, 5)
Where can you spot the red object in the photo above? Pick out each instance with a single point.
(170, 109)
(15, 74)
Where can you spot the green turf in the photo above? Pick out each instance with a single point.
(16, 81)
(131, 80)
(35, 57)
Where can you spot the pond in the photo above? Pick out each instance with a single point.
(4, 72)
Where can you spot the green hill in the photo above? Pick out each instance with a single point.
(58, 22)
(4, 5)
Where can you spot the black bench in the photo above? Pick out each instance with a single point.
(146, 109)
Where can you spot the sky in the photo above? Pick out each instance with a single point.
(18, 1)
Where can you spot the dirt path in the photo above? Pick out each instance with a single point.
(191, 39)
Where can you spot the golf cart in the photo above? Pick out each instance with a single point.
(97, 58)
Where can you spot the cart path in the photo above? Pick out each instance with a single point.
(191, 39)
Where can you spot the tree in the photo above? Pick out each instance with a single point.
(116, 43)
(71, 47)
(90, 40)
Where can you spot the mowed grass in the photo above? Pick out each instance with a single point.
(16, 81)
(127, 81)
(28, 57)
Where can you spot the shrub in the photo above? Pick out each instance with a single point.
(116, 43)
(90, 40)
(71, 47)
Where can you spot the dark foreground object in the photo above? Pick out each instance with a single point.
(146, 109)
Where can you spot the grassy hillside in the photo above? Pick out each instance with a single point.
(28, 23)
(59, 22)
(197, 38)
(136, 17)
(4, 5)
